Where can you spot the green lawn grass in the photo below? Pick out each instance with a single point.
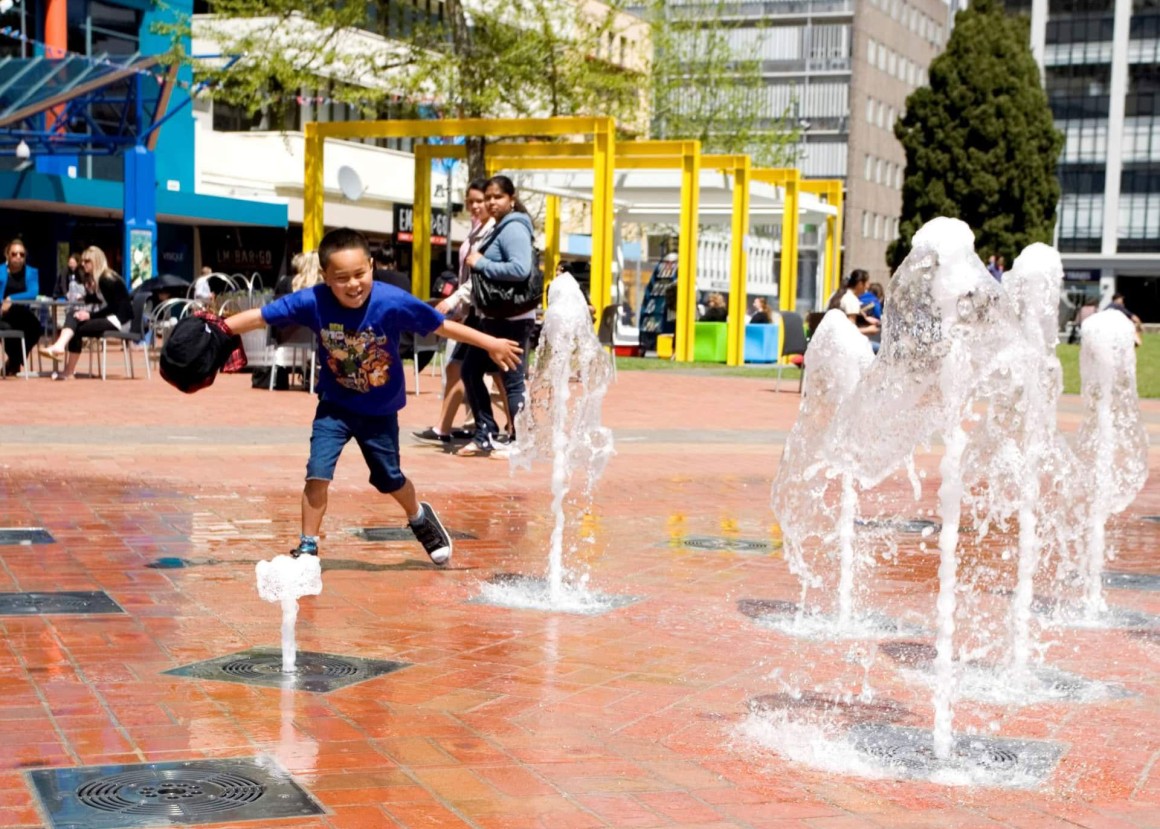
(1147, 367)
(715, 369)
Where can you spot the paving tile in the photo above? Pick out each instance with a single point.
(505, 719)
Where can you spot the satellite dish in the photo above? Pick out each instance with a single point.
(350, 183)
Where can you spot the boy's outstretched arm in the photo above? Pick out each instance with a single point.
(246, 321)
(505, 353)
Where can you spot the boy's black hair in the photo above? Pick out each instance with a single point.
(342, 238)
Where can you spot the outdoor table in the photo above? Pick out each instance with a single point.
(52, 314)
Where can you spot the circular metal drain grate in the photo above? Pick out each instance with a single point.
(909, 653)
(852, 712)
(991, 757)
(308, 665)
(717, 543)
(909, 754)
(189, 792)
(762, 608)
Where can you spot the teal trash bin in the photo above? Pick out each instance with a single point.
(761, 343)
(710, 342)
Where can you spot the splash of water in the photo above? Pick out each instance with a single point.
(562, 423)
(1111, 439)
(837, 355)
(285, 580)
(1044, 464)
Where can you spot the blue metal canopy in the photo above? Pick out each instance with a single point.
(80, 105)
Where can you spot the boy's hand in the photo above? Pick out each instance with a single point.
(505, 353)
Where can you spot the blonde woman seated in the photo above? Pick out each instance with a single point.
(105, 286)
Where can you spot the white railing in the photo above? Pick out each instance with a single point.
(713, 264)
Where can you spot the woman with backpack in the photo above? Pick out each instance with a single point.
(505, 292)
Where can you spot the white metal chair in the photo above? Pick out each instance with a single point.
(430, 344)
(136, 335)
(299, 353)
(8, 334)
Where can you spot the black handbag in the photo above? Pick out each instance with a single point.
(503, 299)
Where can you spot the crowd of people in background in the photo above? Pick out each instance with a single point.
(499, 242)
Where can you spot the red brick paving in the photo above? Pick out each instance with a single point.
(506, 718)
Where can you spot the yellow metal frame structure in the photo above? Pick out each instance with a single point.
(602, 149)
(635, 155)
(789, 179)
(832, 191)
(603, 156)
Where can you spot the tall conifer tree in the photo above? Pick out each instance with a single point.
(980, 141)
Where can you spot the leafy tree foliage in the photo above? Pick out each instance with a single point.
(980, 142)
(703, 88)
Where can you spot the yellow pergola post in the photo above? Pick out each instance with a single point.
(421, 228)
(687, 253)
(603, 217)
(313, 225)
(739, 166)
(789, 179)
(551, 241)
(831, 191)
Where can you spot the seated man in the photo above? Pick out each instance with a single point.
(19, 282)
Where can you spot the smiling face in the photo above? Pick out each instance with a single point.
(349, 275)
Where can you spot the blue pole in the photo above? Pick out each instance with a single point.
(140, 214)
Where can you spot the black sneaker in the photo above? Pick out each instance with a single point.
(431, 535)
(462, 434)
(304, 548)
(432, 436)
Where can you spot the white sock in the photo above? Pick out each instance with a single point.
(417, 517)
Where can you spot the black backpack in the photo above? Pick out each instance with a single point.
(507, 298)
(194, 353)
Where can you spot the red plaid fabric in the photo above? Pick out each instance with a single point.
(237, 359)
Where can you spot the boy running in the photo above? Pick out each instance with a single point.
(361, 388)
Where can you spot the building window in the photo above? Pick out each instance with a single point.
(1138, 225)
(877, 226)
(869, 110)
(1141, 139)
(1081, 221)
(865, 224)
(869, 168)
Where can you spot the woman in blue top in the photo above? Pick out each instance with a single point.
(506, 254)
(19, 282)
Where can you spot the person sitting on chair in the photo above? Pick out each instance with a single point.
(18, 282)
(115, 314)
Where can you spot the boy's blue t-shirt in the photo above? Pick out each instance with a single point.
(358, 347)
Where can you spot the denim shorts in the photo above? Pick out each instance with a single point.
(377, 436)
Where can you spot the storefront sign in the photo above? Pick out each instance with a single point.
(405, 224)
(244, 250)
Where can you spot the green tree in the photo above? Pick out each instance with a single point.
(496, 59)
(702, 87)
(980, 142)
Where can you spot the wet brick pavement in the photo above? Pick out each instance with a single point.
(503, 719)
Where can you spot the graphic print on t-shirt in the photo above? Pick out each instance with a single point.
(359, 360)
